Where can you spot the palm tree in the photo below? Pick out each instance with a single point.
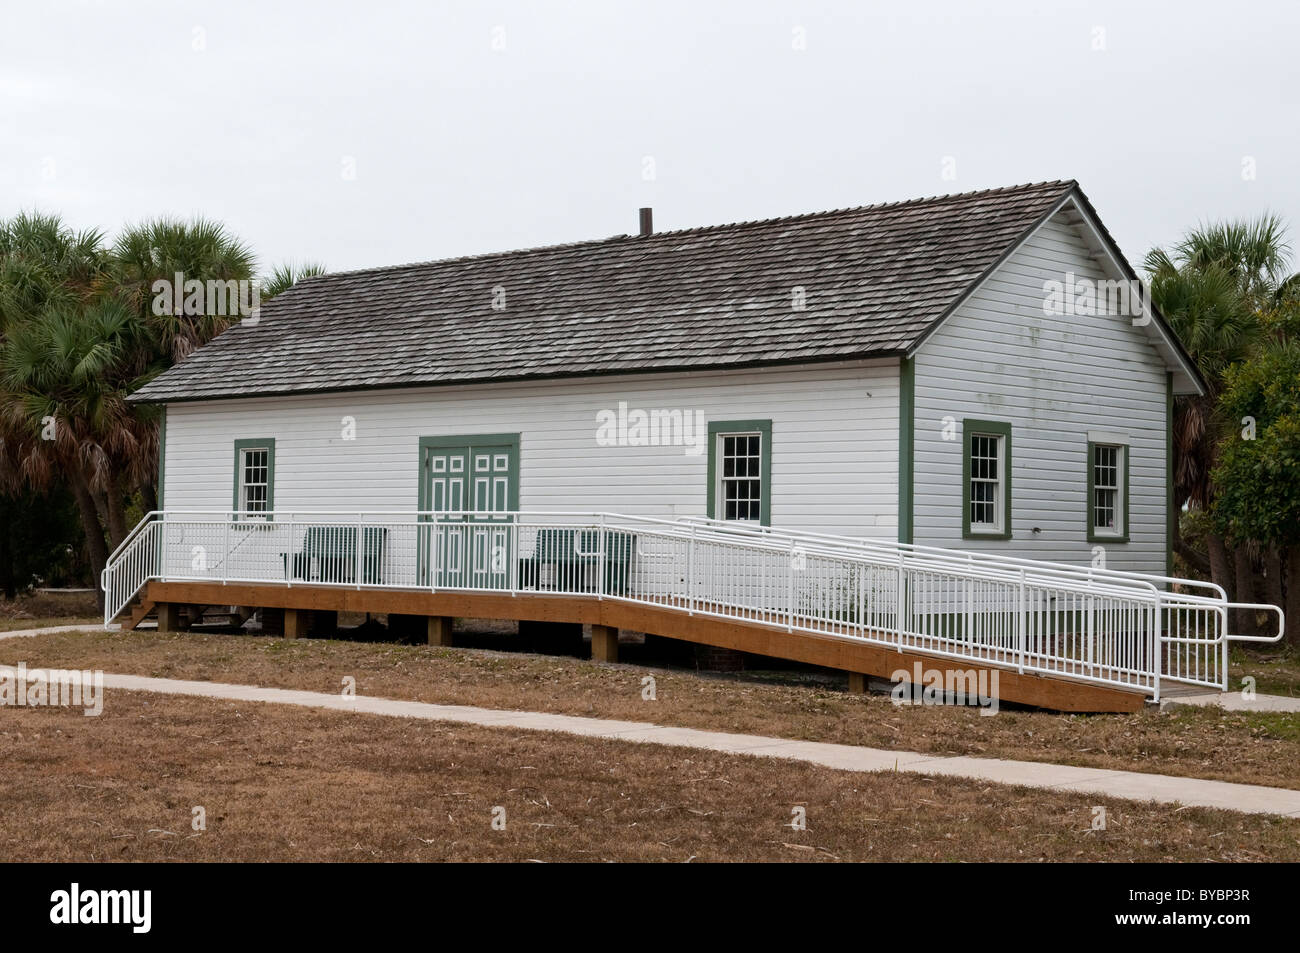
(78, 333)
(44, 264)
(43, 261)
(1214, 288)
(1255, 253)
(66, 374)
(160, 250)
(1206, 310)
(285, 276)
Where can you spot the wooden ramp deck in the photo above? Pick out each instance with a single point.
(608, 615)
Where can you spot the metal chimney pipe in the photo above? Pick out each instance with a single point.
(647, 222)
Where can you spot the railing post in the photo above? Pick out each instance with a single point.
(1157, 661)
(1090, 635)
(433, 544)
(789, 589)
(1223, 634)
(690, 574)
(968, 597)
(862, 599)
(162, 553)
(361, 547)
(289, 559)
(512, 554)
(1021, 625)
(225, 554)
(600, 560)
(900, 614)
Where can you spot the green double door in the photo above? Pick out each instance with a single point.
(465, 480)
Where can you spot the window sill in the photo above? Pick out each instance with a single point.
(1107, 537)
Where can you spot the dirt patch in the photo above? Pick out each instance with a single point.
(1276, 670)
(287, 784)
(40, 609)
(1192, 742)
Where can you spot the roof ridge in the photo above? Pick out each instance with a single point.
(697, 229)
(935, 199)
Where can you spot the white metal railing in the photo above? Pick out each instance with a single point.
(805, 537)
(1104, 626)
(1193, 613)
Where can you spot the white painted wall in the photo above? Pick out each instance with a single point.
(834, 436)
(1054, 378)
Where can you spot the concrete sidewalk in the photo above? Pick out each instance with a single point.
(1232, 701)
(1101, 783)
(23, 633)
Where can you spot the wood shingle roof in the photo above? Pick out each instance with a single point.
(875, 280)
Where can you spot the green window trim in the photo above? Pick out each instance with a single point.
(1093, 535)
(267, 444)
(906, 447)
(995, 428)
(762, 427)
(486, 441)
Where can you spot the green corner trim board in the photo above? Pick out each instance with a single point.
(1171, 513)
(906, 447)
(162, 456)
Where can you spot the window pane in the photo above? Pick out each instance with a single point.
(254, 490)
(985, 487)
(741, 485)
(1107, 464)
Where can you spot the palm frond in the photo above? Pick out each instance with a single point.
(286, 275)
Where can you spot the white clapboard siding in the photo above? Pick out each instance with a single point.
(1054, 379)
(834, 436)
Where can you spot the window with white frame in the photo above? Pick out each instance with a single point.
(740, 478)
(986, 494)
(1108, 489)
(255, 482)
(985, 481)
(255, 478)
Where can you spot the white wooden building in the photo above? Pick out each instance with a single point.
(904, 434)
(895, 372)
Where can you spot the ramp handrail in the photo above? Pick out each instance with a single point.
(735, 526)
(1099, 625)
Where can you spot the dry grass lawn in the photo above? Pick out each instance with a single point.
(40, 609)
(1208, 743)
(287, 784)
(1276, 670)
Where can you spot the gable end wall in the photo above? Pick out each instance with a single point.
(1054, 379)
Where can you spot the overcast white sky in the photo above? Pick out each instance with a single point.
(256, 113)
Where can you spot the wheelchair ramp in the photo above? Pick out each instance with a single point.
(1055, 635)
